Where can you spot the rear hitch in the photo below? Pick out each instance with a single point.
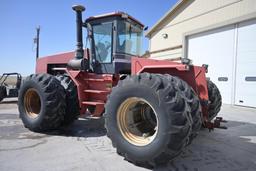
(216, 124)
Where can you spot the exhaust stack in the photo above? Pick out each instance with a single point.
(78, 62)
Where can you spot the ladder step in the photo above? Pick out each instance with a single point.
(96, 91)
(94, 79)
(93, 103)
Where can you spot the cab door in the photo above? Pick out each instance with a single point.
(102, 47)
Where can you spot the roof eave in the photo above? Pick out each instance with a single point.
(170, 12)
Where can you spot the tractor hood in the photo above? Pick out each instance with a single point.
(45, 64)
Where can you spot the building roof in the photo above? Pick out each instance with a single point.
(168, 14)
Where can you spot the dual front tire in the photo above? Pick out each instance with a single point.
(148, 118)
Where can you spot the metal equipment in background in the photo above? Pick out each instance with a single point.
(8, 90)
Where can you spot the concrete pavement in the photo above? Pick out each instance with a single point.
(84, 146)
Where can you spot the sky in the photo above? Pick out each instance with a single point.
(19, 19)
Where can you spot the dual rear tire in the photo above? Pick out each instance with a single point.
(42, 102)
(47, 102)
(72, 103)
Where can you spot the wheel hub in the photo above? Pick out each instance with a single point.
(137, 121)
(32, 103)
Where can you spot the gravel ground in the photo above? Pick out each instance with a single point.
(84, 145)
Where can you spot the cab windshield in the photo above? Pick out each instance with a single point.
(129, 38)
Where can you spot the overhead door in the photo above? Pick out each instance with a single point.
(215, 48)
(245, 93)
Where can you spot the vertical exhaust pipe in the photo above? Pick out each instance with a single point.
(78, 61)
(79, 31)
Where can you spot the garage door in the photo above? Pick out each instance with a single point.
(245, 93)
(215, 48)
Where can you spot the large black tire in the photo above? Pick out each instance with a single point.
(72, 104)
(167, 134)
(214, 98)
(193, 101)
(41, 102)
(3, 93)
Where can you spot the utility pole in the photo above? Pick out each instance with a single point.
(36, 41)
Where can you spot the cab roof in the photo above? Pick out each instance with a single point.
(114, 14)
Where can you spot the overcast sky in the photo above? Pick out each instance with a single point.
(19, 18)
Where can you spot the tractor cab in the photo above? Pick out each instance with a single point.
(114, 39)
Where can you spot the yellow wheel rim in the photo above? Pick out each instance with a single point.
(32, 103)
(137, 121)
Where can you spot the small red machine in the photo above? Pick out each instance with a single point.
(152, 108)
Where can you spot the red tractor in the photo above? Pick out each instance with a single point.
(152, 108)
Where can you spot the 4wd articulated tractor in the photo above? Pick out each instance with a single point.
(152, 108)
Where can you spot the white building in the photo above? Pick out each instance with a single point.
(221, 33)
